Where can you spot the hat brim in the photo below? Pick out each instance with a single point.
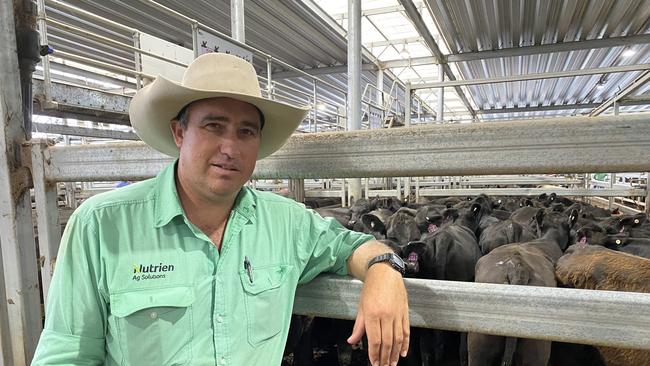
(154, 106)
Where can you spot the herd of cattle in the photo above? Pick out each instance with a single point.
(548, 241)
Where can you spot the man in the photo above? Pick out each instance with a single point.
(192, 268)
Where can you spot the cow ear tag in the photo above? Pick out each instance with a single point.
(636, 221)
(618, 241)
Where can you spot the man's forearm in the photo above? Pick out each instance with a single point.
(358, 261)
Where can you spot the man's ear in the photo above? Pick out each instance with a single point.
(177, 132)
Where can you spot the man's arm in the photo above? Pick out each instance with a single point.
(75, 316)
(383, 309)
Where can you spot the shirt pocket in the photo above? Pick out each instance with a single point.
(154, 326)
(268, 299)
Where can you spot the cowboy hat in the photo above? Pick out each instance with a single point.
(209, 76)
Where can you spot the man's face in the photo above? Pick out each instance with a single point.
(218, 148)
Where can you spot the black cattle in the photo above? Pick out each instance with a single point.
(449, 253)
(429, 218)
(377, 220)
(402, 227)
(524, 215)
(636, 225)
(531, 263)
(502, 233)
(360, 207)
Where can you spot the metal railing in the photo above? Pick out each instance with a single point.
(325, 112)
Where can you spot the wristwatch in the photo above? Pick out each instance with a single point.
(391, 258)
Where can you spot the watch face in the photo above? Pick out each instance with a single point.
(397, 262)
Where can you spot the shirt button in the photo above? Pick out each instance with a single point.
(153, 315)
(222, 361)
(219, 319)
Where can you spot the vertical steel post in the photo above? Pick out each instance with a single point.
(612, 176)
(441, 95)
(138, 59)
(269, 78)
(417, 189)
(20, 311)
(47, 214)
(407, 104)
(380, 87)
(42, 30)
(237, 27)
(315, 109)
(354, 81)
(195, 39)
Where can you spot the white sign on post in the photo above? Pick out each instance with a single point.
(211, 43)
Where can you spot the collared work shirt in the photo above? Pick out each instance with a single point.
(136, 283)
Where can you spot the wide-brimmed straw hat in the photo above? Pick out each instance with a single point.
(208, 76)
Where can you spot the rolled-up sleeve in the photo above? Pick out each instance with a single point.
(76, 311)
(325, 245)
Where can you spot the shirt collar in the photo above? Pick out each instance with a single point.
(168, 204)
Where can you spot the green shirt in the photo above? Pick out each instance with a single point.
(136, 283)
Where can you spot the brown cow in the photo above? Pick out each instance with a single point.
(598, 268)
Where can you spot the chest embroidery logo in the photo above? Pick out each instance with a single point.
(151, 271)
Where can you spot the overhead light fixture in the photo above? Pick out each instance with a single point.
(629, 52)
(600, 85)
(404, 52)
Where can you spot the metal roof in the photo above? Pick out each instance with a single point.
(310, 35)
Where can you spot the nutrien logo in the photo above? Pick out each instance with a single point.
(151, 272)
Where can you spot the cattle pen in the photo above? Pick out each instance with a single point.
(97, 60)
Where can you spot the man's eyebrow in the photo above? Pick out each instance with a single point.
(219, 118)
(215, 117)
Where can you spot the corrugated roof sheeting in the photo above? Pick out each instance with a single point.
(471, 26)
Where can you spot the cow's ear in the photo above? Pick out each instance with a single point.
(573, 218)
(542, 196)
(639, 219)
(553, 196)
(450, 215)
(475, 209)
(529, 203)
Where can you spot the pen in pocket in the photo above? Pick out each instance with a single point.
(248, 268)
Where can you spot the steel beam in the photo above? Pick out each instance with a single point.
(394, 42)
(47, 215)
(20, 312)
(237, 25)
(533, 192)
(415, 61)
(539, 76)
(81, 103)
(605, 318)
(413, 14)
(636, 84)
(550, 48)
(525, 51)
(321, 71)
(354, 96)
(558, 145)
(86, 132)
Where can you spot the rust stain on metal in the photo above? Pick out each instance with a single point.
(10, 301)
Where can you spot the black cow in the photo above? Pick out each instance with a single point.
(402, 227)
(502, 233)
(531, 263)
(449, 253)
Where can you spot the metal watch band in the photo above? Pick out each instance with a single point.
(391, 258)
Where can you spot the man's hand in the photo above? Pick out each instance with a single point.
(383, 315)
